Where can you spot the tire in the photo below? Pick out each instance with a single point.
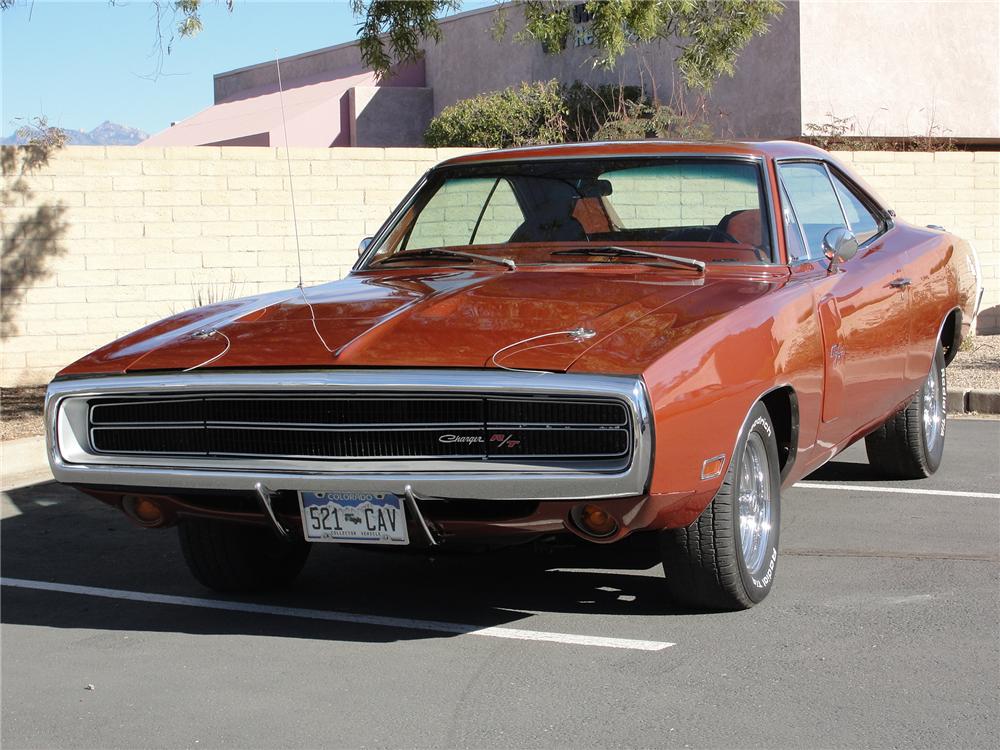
(909, 445)
(717, 562)
(234, 557)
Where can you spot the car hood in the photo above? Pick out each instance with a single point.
(540, 318)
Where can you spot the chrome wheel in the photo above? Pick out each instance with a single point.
(755, 505)
(934, 415)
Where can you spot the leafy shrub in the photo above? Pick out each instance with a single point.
(529, 114)
(549, 112)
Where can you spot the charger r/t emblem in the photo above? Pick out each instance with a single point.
(500, 440)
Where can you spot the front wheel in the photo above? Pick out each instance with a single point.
(727, 558)
(910, 444)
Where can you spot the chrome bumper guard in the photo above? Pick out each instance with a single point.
(73, 461)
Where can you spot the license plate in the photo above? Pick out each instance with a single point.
(358, 517)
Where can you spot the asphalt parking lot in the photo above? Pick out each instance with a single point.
(883, 630)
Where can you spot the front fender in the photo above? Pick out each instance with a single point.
(702, 391)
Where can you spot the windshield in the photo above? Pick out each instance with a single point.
(705, 209)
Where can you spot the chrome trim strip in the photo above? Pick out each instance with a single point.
(350, 426)
(287, 427)
(504, 478)
(514, 156)
(840, 201)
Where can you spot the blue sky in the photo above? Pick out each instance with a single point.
(84, 62)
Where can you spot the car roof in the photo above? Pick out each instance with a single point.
(767, 149)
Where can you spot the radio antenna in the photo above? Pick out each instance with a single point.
(288, 160)
(295, 219)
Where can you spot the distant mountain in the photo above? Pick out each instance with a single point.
(105, 134)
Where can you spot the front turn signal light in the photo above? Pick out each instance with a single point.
(594, 520)
(143, 510)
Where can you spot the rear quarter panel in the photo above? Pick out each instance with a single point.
(942, 268)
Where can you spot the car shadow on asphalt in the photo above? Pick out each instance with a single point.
(60, 535)
(846, 471)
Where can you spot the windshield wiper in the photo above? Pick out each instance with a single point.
(439, 252)
(617, 251)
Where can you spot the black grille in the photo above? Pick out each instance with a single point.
(150, 440)
(257, 410)
(500, 411)
(309, 426)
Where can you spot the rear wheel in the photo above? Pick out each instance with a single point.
(910, 444)
(235, 557)
(727, 558)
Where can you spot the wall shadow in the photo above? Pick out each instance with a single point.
(988, 321)
(33, 237)
(63, 536)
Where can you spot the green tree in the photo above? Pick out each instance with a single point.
(710, 33)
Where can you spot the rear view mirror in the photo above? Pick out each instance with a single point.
(839, 245)
(364, 245)
(595, 188)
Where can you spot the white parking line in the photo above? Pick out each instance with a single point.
(897, 490)
(322, 614)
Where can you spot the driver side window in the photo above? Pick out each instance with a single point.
(816, 206)
(863, 222)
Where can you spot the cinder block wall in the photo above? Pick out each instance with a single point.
(130, 235)
(149, 232)
(959, 190)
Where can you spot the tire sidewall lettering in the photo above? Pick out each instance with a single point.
(758, 588)
(944, 400)
(763, 423)
(765, 581)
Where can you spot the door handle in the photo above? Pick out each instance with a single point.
(900, 283)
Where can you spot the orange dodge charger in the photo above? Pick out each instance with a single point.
(593, 343)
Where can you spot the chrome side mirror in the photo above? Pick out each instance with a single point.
(364, 245)
(839, 245)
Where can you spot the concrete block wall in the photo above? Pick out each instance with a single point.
(682, 194)
(959, 190)
(147, 232)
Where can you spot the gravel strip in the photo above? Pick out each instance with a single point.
(21, 412)
(977, 366)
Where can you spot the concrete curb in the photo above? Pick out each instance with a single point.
(973, 402)
(22, 457)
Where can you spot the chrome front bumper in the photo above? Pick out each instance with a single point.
(73, 461)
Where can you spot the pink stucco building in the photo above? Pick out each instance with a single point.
(889, 69)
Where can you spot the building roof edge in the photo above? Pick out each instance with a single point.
(342, 45)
